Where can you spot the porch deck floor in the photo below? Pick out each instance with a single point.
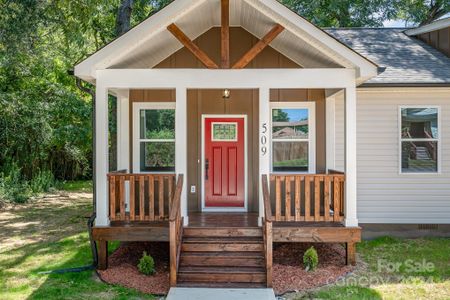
(212, 219)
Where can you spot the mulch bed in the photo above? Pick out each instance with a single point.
(289, 274)
(122, 268)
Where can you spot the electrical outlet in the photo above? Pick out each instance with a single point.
(192, 189)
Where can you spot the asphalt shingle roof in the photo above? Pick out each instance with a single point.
(406, 60)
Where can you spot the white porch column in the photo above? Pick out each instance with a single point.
(181, 145)
(264, 143)
(123, 130)
(350, 157)
(330, 112)
(102, 155)
(123, 138)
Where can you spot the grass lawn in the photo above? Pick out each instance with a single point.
(46, 234)
(50, 233)
(396, 269)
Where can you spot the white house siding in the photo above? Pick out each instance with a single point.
(384, 195)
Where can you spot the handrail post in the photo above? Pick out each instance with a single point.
(175, 230)
(267, 230)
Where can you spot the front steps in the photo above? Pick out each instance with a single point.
(222, 257)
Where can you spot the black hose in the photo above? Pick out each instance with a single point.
(93, 244)
(91, 219)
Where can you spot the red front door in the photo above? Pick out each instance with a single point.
(224, 162)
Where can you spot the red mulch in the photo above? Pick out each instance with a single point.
(289, 274)
(122, 268)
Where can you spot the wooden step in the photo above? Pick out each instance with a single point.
(222, 274)
(223, 232)
(233, 240)
(222, 246)
(231, 259)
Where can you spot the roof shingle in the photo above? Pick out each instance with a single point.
(406, 60)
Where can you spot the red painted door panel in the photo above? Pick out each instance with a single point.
(224, 162)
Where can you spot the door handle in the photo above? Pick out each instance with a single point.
(206, 168)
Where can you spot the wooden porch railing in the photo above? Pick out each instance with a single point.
(175, 231)
(267, 230)
(308, 197)
(149, 196)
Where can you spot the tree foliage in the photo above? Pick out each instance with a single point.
(45, 120)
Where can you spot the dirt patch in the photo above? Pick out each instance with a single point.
(289, 274)
(122, 268)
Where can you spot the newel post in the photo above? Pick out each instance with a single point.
(350, 157)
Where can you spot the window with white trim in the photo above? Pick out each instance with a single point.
(156, 140)
(293, 137)
(419, 139)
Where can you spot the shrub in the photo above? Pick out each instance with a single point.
(146, 264)
(13, 187)
(310, 259)
(42, 182)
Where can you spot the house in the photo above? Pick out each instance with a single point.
(241, 124)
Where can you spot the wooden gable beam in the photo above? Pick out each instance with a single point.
(195, 50)
(258, 47)
(225, 34)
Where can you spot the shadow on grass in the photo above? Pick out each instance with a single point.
(80, 285)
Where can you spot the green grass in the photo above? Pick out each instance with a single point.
(396, 269)
(50, 234)
(77, 186)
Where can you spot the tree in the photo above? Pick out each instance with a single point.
(422, 12)
(344, 13)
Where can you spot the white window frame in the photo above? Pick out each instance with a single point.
(401, 139)
(311, 106)
(137, 107)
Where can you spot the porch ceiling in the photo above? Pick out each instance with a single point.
(150, 42)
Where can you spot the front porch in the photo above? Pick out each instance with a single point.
(306, 208)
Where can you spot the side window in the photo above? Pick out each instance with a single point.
(419, 139)
(157, 140)
(292, 138)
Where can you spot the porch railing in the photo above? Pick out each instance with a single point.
(306, 197)
(175, 231)
(149, 196)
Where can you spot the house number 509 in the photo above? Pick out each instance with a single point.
(264, 139)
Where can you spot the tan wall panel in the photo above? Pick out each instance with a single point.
(211, 102)
(240, 42)
(439, 39)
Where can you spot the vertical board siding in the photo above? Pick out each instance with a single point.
(384, 195)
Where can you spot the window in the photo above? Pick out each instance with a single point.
(224, 132)
(293, 137)
(156, 137)
(419, 139)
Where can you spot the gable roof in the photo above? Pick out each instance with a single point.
(406, 60)
(148, 43)
(436, 25)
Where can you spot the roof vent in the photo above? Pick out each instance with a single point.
(427, 226)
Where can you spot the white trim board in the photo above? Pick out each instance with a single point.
(226, 78)
(224, 209)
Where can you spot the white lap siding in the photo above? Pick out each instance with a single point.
(384, 195)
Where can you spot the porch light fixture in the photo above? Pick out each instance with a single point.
(226, 94)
